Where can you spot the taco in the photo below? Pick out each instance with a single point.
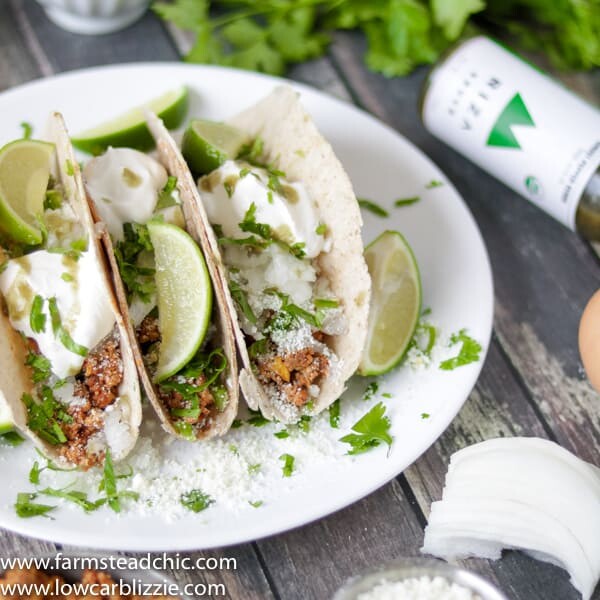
(291, 258)
(67, 378)
(195, 393)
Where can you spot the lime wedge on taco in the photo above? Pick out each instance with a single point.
(208, 144)
(24, 176)
(184, 296)
(395, 302)
(130, 130)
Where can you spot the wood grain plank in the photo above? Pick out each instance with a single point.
(488, 414)
(146, 40)
(312, 562)
(13, 545)
(18, 64)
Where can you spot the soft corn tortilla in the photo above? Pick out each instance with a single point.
(294, 145)
(223, 322)
(15, 377)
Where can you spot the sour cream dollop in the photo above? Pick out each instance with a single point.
(124, 184)
(229, 191)
(82, 302)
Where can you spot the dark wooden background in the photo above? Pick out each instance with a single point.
(532, 383)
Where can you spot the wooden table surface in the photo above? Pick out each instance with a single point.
(532, 383)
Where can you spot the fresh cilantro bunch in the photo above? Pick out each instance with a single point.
(269, 35)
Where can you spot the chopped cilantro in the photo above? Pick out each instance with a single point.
(243, 172)
(40, 366)
(27, 130)
(258, 348)
(334, 414)
(434, 183)
(387, 395)
(293, 310)
(468, 353)
(209, 366)
(53, 200)
(43, 418)
(34, 473)
(370, 431)
(67, 277)
(304, 423)
(234, 449)
(69, 168)
(196, 500)
(26, 509)
(406, 201)
(138, 280)
(12, 438)
(108, 484)
(326, 303)
(425, 415)
(265, 232)
(237, 423)
(241, 299)
(79, 498)
(373, 207)
(288, 464)
(166, 198)
(282, 434)
(252, 469)
(37, 318)
(321, 229)
(370, 391)
(256, 503)
(253, 151)
(59, 331)
(184, 429)
(257, 419)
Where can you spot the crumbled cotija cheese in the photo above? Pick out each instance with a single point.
(421, 588)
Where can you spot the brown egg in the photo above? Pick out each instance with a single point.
(589, 340)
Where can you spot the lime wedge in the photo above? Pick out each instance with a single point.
(207, 145)
(24, 174)
(395, 303)
(184, 296)
(129, 130)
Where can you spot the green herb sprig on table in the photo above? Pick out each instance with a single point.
(269, 35)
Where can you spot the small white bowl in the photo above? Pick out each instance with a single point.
(417, 567)
(94, 17)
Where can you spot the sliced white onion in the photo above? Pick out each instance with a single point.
(522, 493)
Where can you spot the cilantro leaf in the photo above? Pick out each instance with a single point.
(334, 414)
(26, 509)
(401, 34)
(12, 438)
(370, 431)
(451, 15)
(61, 333)
(288, 464)
(138, 280)
(468, 353)
(373, 207)
(37, 318)
(27, 130)
(196, 500)
(166, 198)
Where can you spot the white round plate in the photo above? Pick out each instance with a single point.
(421, 402)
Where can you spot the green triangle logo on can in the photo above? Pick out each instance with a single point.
(514, 113)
